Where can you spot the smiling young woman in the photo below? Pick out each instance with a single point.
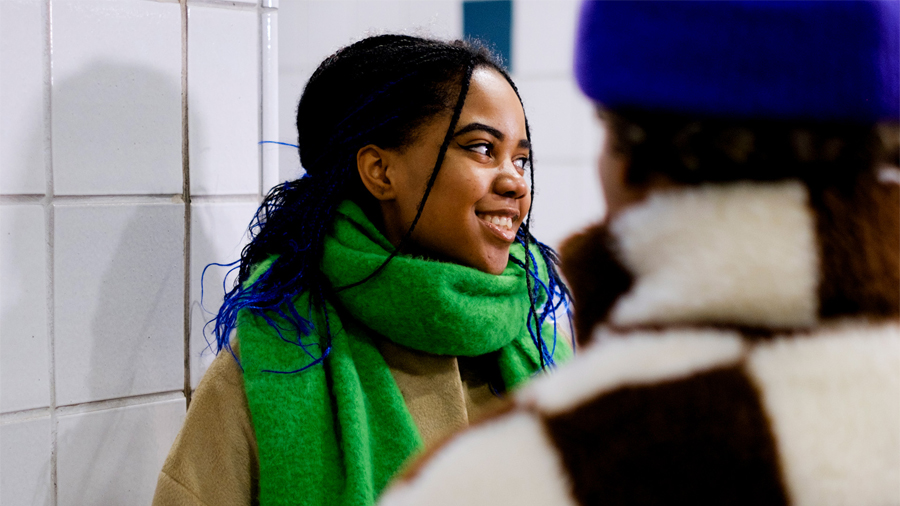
(388, 297)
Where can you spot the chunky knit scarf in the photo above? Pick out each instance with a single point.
(338, 431)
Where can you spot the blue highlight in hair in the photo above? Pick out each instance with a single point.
(555, 291)
(281, 143)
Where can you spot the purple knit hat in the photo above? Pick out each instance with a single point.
(815, 60)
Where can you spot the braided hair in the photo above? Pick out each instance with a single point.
(378, 91)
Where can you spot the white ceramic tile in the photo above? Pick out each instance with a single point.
(327, 26)
(555, 210)
(293, 18)
(434, 18)
(218, 234)
(119, 284)
(544, 36)
(116, 97)
(24, 363)
(223, 100)
(438, 18)
(312, 30)
(22, 36)
(551, 109)
(114, 456)
(567, 199)
(270, 104)
(564, 128)
(25, 463)
(381, 16)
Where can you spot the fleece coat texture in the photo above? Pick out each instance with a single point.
(742, 347)
(336, 433)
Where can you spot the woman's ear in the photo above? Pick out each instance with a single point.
(371, 162)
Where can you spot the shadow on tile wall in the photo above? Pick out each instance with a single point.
(118, 281)
(134, 154)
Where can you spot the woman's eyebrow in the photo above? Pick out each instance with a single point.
(471, 127)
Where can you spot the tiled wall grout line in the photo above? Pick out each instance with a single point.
(225, 4)
(24, 415)
(118, 402)
(23, 199)
(222, 199)
(49, 216)
(90, 406)
(186, 197)
(117, 199)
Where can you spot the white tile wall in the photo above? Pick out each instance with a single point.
(321, 27)
(567, 199)
(218, 234)
(21, 97)
(435, 18)
(325, 26)
(563, 127)
(92, 311)
(544, 36)
(270, 152)
(25, 463)
(24, 358)
(224, 100)
(116, 97)
(119, 281)
(373, 18)
(554, 208)
(114, 456)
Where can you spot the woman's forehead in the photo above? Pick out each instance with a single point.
(492, 101)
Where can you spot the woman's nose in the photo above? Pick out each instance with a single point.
(510, 183)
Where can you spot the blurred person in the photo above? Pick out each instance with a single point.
(387, 297)
(741, 300)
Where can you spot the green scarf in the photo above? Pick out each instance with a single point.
(337, 432)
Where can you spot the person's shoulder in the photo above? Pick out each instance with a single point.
(624, 415)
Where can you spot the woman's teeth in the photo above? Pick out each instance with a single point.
(500, 221)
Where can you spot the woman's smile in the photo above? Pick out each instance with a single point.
(500, 223)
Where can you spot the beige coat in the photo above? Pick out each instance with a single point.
(215, 461)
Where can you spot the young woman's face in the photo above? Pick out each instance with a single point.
(480, 197)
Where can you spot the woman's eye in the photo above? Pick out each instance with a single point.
(521, 163)
(482, 149)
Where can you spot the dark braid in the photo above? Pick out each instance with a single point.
(377, 91)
